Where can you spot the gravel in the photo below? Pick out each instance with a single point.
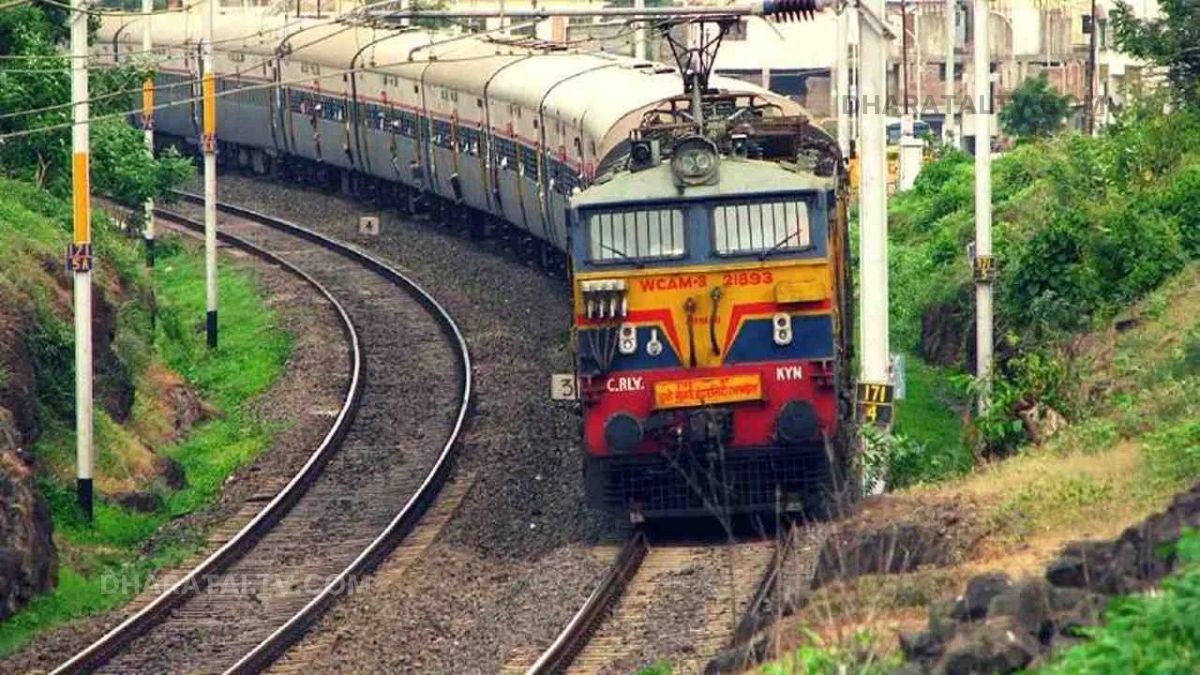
(515, 561)
(313, 381)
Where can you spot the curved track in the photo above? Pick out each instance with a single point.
(359, 494)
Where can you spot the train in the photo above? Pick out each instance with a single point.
(703, 229)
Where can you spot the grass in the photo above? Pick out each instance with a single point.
(1134, 446)
(930, 428)
(104, 563)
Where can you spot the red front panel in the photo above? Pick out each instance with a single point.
(632, 392)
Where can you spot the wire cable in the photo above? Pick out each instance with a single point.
(255, 87)
(185, 83)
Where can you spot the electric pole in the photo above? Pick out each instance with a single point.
(1093, 74)
(639, 34)
(948, 132)
(841, 79)
(148, 125)
(874, 388)
(80, 257)
(904, 53)
(984, 263)
(210, 176)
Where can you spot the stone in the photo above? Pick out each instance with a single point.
(973, 604)
(1027, 606)
(28, 558)
(995, 647)
(171, 472)
(138, 500)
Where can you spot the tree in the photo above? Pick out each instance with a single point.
(1035, 109)
(39, 79)
(1171, 41)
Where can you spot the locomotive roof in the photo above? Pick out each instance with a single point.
(739, 178)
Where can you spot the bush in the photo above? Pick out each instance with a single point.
(1173, 455)
(1084, 227)
(1157, 633)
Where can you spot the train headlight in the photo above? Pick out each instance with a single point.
(781, 329)
(694, 161)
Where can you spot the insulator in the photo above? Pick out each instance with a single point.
(792, 10)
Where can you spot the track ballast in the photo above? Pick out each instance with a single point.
(360, 494)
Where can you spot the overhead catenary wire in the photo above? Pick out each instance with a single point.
(266, 61)
(119, 12)
(254, 87)
(195, 81)
(184, 83)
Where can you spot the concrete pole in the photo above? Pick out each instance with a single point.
(949, 132)
(639, 34)
(148, 126)
(210, 176)
(841, 79)
(984, 263)
(80, 256)
(873, 271)
(917, 55)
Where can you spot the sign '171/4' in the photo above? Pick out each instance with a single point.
(875, 403)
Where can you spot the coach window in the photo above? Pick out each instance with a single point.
(635, 235)
(761, 227)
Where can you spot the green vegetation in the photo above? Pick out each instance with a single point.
(35, 77)
(1157, 633)
(1036, 109)
(1084, 228)
(104, 563)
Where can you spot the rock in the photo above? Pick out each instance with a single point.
(891, 549)
(18, 396)
(973, 605)
(1086, 612)
(944, 329)
(28, 559)
(138, 500)
(186, 408)
(1041, 422)
(1027, 605)
(171, 472)
(995, 647)
(921, 646)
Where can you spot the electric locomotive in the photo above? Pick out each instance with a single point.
(712, 318)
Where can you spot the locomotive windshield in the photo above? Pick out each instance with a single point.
(636, 235)
(760, 227)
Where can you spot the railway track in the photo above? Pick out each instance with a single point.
(360, 493)
(726, 587)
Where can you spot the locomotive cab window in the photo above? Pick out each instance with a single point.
(631, 236)
(762, 227)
